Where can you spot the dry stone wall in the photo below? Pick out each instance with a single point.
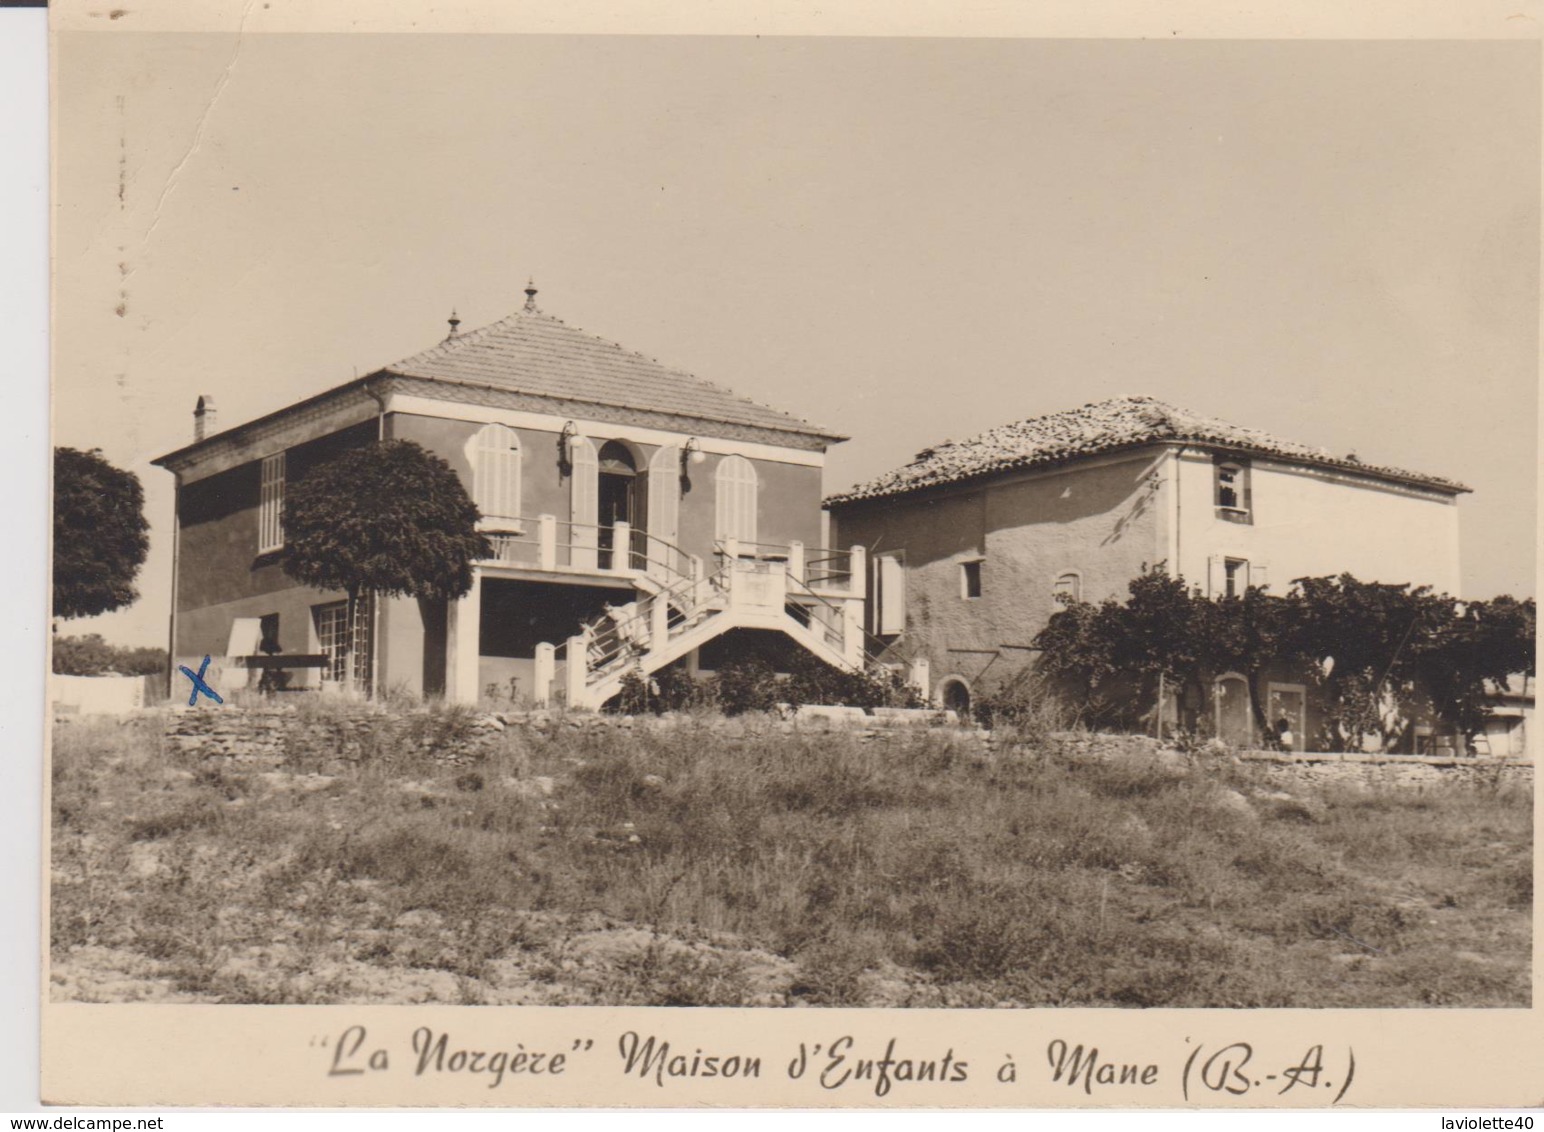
(284, 734)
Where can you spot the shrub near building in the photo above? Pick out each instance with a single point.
(1378, 658)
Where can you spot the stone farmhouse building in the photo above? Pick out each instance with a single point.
(639, 516)
(972, 542)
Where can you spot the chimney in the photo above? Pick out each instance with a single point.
(203, 417)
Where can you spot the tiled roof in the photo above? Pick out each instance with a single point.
(1104, 426)
(533, 353)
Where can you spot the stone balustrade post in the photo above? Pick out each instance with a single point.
(547, 541)
(546, 671)
(578, 667)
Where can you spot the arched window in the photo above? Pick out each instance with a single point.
(954, 695)
(584, 502)
(1069, 582)
(495, 456)
(735, 489)
(664, 507)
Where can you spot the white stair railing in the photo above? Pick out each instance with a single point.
(626, 637)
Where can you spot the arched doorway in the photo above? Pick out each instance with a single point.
(1235, 713)
(622, 492)
(954, 694)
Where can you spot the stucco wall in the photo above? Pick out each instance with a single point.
(1101, 520)
(1314, 522)
(217, 558)
(221, 577)
(788, 496)
(541, 490)
(402, 666)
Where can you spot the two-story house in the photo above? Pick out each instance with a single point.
(972, 542)
(640, 516)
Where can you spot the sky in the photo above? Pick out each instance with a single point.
(903, 240)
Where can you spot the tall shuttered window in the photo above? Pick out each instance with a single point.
(270, 512)
(584, 504)
(735, 488)
(496, 476)
(890, 576)
(664, 510)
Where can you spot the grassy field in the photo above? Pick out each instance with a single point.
(691, 867)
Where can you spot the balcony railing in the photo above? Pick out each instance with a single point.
(545, 542)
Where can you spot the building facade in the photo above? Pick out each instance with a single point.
(972, 542)
(637, 514)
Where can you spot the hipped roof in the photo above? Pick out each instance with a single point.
(1098, 428)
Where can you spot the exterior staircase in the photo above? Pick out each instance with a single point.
(681, 604)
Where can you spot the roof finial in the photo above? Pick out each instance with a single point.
(530, 294)
(455, 323)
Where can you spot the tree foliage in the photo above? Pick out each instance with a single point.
(1380, 657)
(90, 655)
(100, 534)
(389, 518)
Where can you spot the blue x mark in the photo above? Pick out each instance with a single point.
(199, 685)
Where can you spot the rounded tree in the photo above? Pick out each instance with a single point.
(390, 518)
(100, 534)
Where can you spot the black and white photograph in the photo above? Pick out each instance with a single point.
(916, 524)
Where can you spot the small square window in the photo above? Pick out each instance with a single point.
(970, 579)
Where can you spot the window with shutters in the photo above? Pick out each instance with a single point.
(495, 459)
(270, 511)
(1235, 576)
(664, 506)
(890, 594)
(735, 489)
(1232, 493)
(584, 504)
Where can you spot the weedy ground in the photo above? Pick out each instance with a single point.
(697, 866)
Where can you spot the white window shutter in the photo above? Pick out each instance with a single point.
(270, 515)
(1216, 576)
(663, 514)
(585, 486)
(584, 504)
(892, 595)
(735, 488)
(665, 493)
(496, 473)
(1258, 574)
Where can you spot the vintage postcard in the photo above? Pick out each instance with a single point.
(728, 557)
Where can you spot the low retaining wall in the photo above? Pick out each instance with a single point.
(277, 734)
(282, 734)
(1397, 770)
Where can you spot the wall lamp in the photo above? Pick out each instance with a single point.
(568, 440)
(691, 453)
